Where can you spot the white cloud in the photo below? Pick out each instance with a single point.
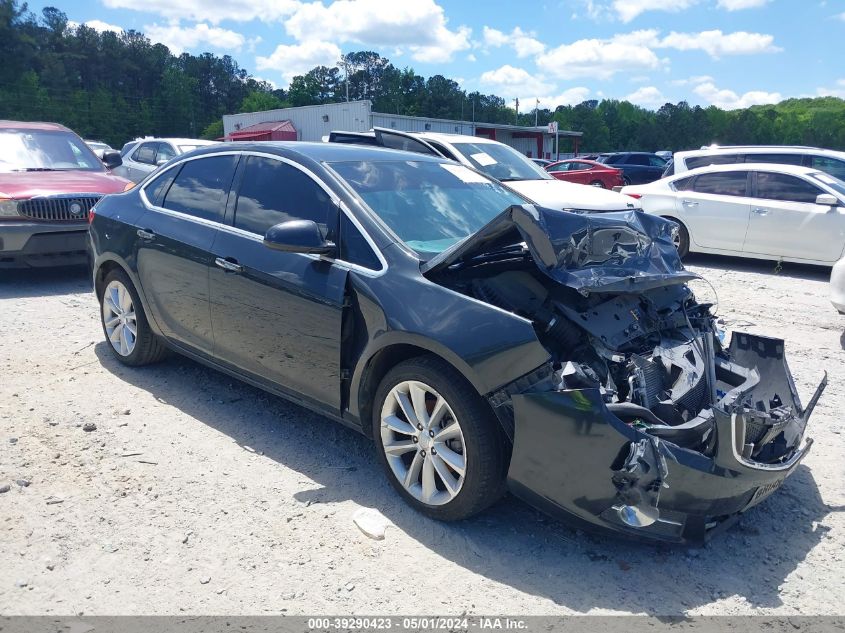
(718, 44)
(837, 91)
(647, 96)
(181, 38)
(738, 5)
(298, 59)
(573, 96)
(97, 25)
(841, 16)
(602, 59)
(508, 81)
(729, 100)
(419, 26)
(213, 11)
(524, 44)
(627, 10)
(692, 81)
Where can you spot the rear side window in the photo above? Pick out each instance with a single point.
(723, 183)
(637, 159)
(272, 192)
(354, 248)
(201, 188)
(777, 159)
(165, 152)
(157, 187)
(612, 159)
(716, 159)
(785, 188)
(683, 184)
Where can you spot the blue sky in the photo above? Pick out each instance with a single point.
(731, 53)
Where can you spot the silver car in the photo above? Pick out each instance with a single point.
(149, 154)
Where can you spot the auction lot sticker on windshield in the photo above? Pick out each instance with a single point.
(483, 158)
(465, 174)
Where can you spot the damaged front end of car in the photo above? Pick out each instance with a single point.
(643, 422)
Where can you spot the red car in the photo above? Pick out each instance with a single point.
(49, 181)
(586, 172)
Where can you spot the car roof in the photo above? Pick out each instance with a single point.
(187, 141)
(445, 137)
(31, 125)
(319, 152)
(795, 170)
(759, 149)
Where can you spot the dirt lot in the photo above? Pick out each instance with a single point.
(202, 495)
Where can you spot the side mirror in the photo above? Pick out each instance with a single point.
(111, 159)
(827, 200)
(298, 236)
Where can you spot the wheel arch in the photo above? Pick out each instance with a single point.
(109, 262)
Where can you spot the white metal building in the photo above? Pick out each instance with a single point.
(312, 123)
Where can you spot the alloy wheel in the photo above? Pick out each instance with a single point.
(119, 318)
(423, 443)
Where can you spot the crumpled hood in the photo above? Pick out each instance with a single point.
(627, 251)
(558, 194)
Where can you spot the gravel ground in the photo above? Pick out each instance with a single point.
(175, 489)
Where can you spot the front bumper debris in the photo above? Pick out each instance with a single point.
(575, 459)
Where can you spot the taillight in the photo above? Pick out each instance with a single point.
(636, 196)
(129, 186)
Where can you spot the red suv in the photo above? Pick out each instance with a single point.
(49, 181)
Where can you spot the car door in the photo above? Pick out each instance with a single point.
(580, 173)
(715, 208)
(787, 222)
(175, 235)
(277, 315)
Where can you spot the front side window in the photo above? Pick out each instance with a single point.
(833, 166)
(429, 205)
(45, 150)
(354, 248)
(146, 154)
(786, 188)
(201, 188)
(501, 162)
(272, 192)
(559, 167)
(638, 159)
(723, 183)
(165, 152)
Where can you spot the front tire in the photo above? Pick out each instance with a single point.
(598, 183)
(438, 441)
(124, 323)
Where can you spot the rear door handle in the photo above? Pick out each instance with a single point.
(760, 210)
(146, 235)
(229, 265)
(689, 203)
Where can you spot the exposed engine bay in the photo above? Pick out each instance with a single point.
(656, 356)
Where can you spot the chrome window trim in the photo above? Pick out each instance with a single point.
(257, 236)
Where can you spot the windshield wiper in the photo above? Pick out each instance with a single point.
(37, 169)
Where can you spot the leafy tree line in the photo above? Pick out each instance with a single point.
(115, 87)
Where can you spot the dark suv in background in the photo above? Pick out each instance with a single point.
(638, 168)
(49, 181)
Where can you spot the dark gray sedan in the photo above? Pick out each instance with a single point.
(482, 342)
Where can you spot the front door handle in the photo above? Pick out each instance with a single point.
(690, 203)
(229, 265)
(147, 236)
(760, 210)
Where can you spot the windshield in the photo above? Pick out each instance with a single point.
(501, 162)
(45, 150)
(429, 205)
(831, 181)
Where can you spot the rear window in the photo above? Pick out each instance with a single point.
(723, 183)
(202, 187)
(694, 162)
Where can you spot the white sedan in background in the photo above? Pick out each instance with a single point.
(762, 211)
(837, 286)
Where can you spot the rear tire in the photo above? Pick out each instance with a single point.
(125, 324)
(422, 406)
(626, 181)
(682, 238)
(598, 183)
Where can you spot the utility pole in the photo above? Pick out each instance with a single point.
(516, 101)
(536, 111)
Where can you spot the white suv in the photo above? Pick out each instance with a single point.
(826, 160)
(498, 161)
